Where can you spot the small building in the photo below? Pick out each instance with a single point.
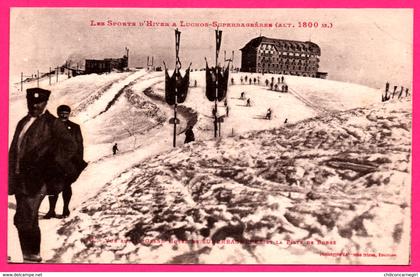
(105, 65)
(321, 75)
(269, 55)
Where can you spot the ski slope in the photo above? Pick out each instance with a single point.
(115, 108)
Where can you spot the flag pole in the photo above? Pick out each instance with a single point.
(217, 82)
(177, 41)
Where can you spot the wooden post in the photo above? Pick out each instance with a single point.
(56, 72)
(175, 110)
(177, 42)
(233, 56)
(37, 78)
(218, 43)
(21, 81)
(215, 103)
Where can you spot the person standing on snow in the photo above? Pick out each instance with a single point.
(63, 113)
(39, 158)
(268, 115)
(189, 135)
(248, 102)
(115, 149)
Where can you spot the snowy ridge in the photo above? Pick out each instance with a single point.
(331, 180)
(106, 98)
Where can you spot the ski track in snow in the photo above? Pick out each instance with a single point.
(307, 102)
(332, 178)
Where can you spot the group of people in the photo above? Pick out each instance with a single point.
(45, 158)
(248, 100)
(248, 80)
(284, 88)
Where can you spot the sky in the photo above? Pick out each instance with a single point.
(365, 46)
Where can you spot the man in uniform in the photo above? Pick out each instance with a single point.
(39, 157)
(63, 113)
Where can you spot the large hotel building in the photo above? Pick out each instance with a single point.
(269, 55)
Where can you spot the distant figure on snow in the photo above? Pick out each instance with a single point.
(268, 115)
(243, 95)
(115, 149)
(227, 111)
(285, 121)
(248, 102)
(189, 135)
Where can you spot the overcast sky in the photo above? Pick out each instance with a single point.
(366, 46)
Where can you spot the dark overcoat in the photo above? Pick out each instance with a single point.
(189, 136)
(77, 159)
(44, 157)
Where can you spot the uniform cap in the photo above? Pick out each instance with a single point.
(63, 108)
(37, 95)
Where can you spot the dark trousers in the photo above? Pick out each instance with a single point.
(26, 221)
(67, 193)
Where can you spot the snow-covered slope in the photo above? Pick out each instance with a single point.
(340, 182)
(330, 174)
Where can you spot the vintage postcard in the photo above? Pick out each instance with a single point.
(210, 136)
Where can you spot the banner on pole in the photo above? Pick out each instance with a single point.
(222, 78)
(176, 85)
